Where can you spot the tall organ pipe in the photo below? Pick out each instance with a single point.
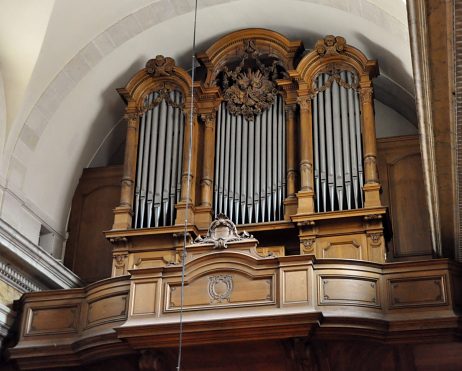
(337, 144)
(250, 163)
(158, 179)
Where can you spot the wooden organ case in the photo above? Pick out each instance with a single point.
(279, 142)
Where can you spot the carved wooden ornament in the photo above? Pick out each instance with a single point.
(160, 66)
(221, 232)
(251, 92)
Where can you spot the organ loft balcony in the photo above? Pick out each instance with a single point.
(256, 209)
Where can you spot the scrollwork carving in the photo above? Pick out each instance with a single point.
(221, 232)
(160, 66)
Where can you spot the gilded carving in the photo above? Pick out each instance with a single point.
(221, 232)
(330, 45)
(160, 66)
(220, 288)
(250, 92)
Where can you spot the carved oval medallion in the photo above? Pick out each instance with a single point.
(220, 288)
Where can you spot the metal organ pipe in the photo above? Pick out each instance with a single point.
(250, 163)
(337, 144)
(158, 179)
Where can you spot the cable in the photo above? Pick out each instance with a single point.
(183, 253)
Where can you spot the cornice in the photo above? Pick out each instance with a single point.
(34, 261)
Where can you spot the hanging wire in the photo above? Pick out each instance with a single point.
(188, 189)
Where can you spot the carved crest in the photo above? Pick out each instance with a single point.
(160, 66)
(250, 90)
(330, 45)
(221, 232)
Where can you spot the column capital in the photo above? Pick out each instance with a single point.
(366, 94)
(304, 102)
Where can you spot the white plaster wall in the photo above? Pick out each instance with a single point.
(390, 123)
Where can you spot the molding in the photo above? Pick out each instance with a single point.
(34, 260)
(417, 17)
(16, 279)
(457, 14)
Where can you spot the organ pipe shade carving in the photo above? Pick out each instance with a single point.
(159, 166)
(250, 165)
(337, 143)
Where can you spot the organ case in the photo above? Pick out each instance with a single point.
(280, 139)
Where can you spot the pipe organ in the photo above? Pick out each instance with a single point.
(275, 137)
(281, 140)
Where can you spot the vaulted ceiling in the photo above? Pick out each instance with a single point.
(60, 62)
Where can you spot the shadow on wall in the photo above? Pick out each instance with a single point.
(111, 150)
(399, 96)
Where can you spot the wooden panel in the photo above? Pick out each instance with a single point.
(295, 286)
(107, 309)
(221, 289)
(144, 298)
(56, 320)
(401, 176)
(417, 292)
(341, 290)
(343, 247)
(88, 253)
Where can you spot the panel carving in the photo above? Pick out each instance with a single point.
(57, 320)
(107, 309)
(358, 291)
(296, 286)
(144, 298)
(417, 292)
(224, 289)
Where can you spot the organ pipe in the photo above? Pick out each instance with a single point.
(250, 164)
(160, 153)
(337, 143)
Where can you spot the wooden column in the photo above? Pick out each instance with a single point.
(188, 176)
(306, 194)
(290, 203)
(123, 213)
(371, 178)
(203, 216)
